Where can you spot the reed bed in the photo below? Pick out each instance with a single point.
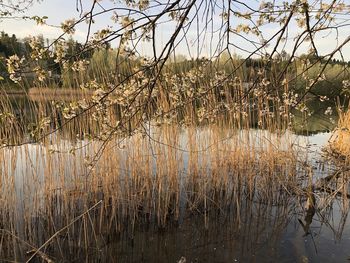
(186, 172)
(87, 170)
(122, 108)
(51, 197)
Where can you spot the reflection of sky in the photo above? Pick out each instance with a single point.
(58, 10)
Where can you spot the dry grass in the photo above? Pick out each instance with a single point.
(339, 143)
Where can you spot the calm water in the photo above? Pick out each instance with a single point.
(253, 232)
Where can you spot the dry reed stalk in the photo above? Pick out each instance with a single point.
(339, 141)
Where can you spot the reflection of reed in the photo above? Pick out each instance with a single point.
(334, 195)
(258, 232)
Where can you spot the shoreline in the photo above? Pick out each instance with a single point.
(51, 92)
(58, 92)
(13, 92)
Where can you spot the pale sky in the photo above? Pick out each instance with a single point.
(60, 10)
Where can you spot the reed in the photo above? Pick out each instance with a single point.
(144, 181)
(201, 144)
(339, 142)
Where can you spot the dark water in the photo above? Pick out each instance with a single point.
(261, 236)
(261, 233)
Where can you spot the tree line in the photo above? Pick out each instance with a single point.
(102, 63)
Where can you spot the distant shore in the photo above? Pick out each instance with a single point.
(13, 92)
(58, 92)
(47, 92)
